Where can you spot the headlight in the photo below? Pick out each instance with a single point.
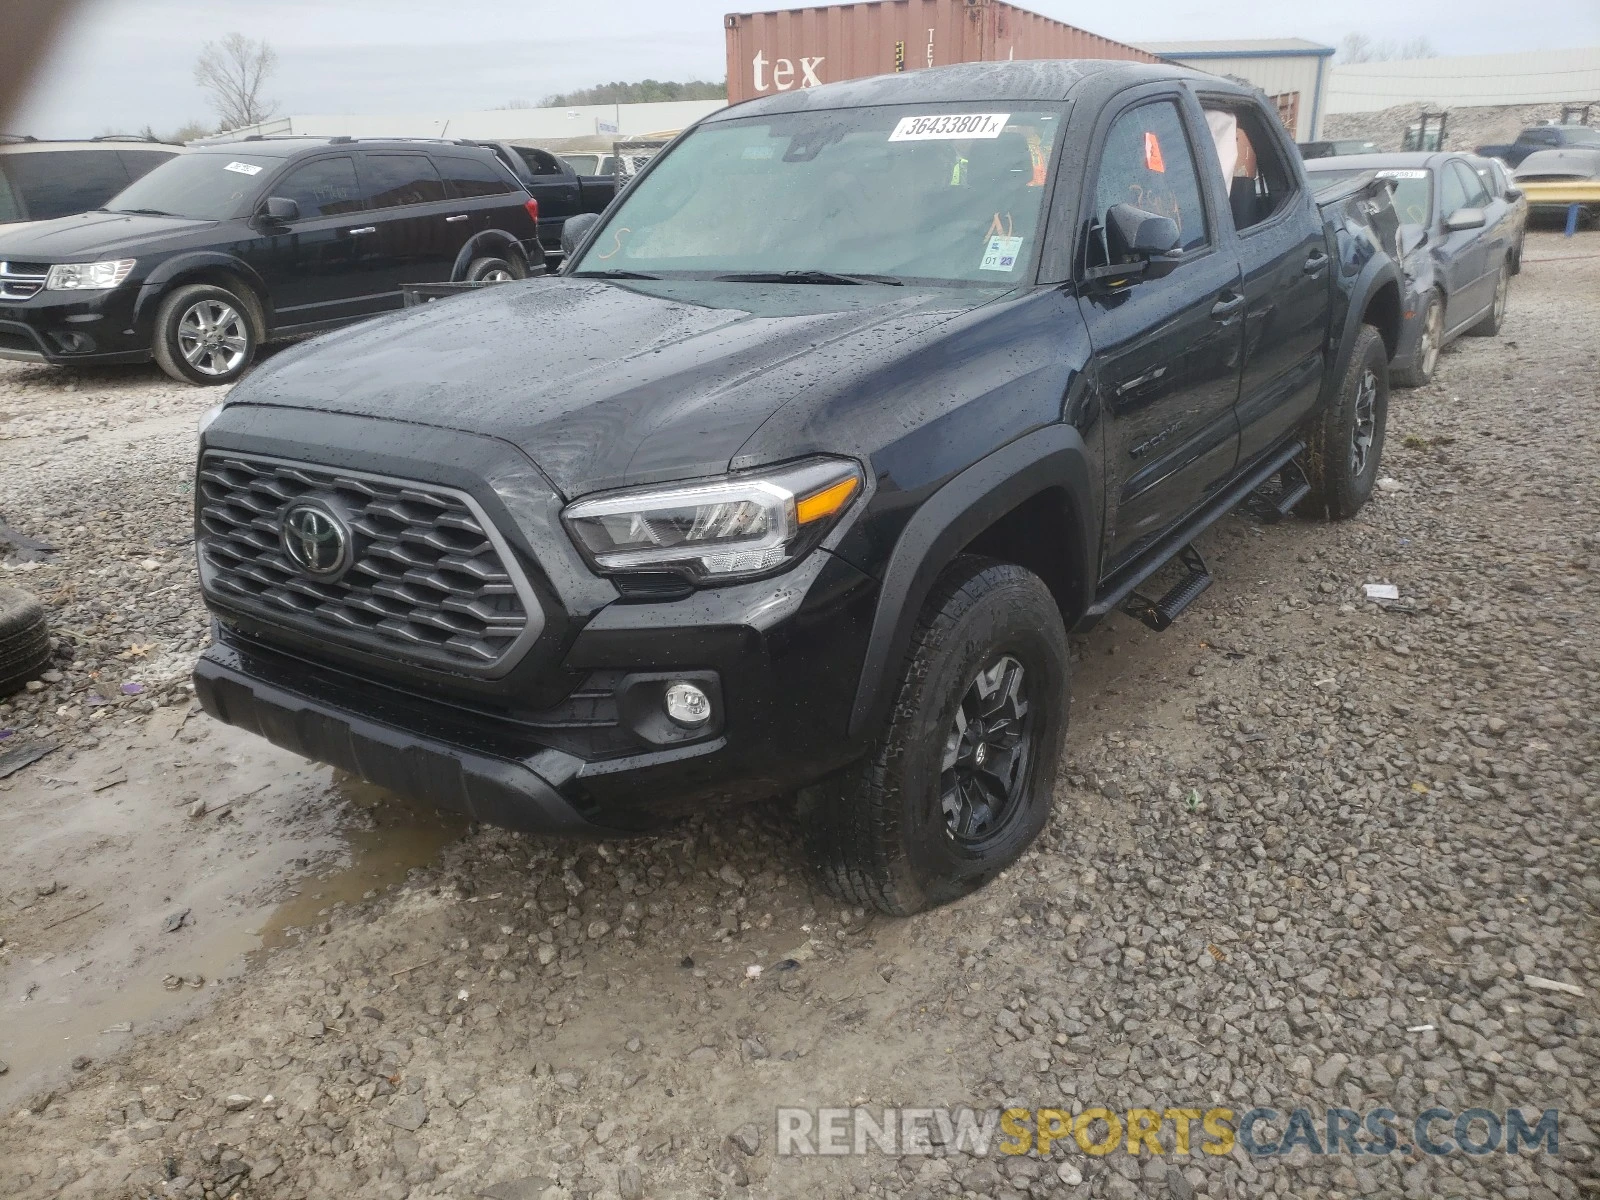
(730, 528)
(88, 277)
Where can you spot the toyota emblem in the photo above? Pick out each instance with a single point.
(316, 541)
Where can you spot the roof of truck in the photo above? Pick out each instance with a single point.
(1048, 80)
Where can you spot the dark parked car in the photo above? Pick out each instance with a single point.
(733, 506)
(1335, 148)
(560, 191)
(1543, 137)
(43, 180)
(229, 246)
(1459, 248)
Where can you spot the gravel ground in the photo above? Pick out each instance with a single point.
(1469, 126)
(1307, 850)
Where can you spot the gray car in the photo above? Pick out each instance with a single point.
(1458, 246)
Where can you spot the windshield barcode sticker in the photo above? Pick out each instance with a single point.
(1402, 174)
(950, 127)
(243, 168)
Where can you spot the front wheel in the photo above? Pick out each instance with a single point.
(959, 783)
(204, 335)
(1429, 344)
(1345, 445)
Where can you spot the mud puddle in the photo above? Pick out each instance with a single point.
(158, 867)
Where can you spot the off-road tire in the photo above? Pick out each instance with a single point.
(24, 639)
(1490, 325)
(165, 343)
(482, 269)
(876, 834)
(1338, 491)
(1420, 374)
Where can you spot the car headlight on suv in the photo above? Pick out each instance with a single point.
(88, 277)
(736, 527)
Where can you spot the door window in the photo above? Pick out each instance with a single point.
(1452, 192)
(1477, 197)
(470, 177)
(1147, 162)
(58, 183)
(1258, 176)
(324, 188)
(539, 162)
(398, 179)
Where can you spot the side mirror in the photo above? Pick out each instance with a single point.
(1411, 238)
(280, 210)
(575, 230)
(1513, 193)
(1148, 238)
(1464, 218)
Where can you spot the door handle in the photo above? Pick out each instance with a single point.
(1230, 303)
(1316, 262)
(363, 229)
(454, 219)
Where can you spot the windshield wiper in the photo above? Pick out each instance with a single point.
(142, 212)
(805, 277)
(614, 274)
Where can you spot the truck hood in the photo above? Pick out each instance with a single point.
(605, 383)
(90, 236)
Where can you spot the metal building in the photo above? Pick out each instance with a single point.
(1292, 70)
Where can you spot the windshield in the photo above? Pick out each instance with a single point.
(1583, 136)
(204, 187)
(901, 192)
(1413, 189)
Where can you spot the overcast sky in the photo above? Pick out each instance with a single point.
(124, 63)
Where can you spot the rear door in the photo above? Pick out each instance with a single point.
(1286, 273)
(314, 268)
(1167, 351)
(1461, 255)
(480, 191)
(409, 216)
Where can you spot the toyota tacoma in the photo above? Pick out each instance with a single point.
(797, 476)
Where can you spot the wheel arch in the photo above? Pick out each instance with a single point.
(218, 270)
(490, 243)
(1029, 503)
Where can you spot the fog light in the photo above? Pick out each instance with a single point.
(688, 705)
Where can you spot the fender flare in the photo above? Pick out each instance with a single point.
(160, 280)
(488, 241)
(1051, 458)
(1378, 271)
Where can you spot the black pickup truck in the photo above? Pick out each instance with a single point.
(729, 506)
(1542, 137)
(560, 191)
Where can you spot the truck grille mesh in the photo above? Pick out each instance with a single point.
(427, 580)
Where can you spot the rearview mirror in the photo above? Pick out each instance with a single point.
(1464, 218)
(280, 210)
(575, 230)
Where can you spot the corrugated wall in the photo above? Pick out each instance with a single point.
(1535, 77)
(803, 47)
(1275, 76)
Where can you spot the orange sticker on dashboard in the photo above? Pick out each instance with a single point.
(1152, 154)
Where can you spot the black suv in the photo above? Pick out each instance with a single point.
(229, 246)
(797, 475)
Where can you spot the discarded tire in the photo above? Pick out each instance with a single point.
(24, 639)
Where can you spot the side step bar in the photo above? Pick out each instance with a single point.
(1123, 584)
(1160, 614)
(1275, 499)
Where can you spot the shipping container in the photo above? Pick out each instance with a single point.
(803, 47)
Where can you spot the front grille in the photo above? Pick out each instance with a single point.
(429, 579)
(21, 281)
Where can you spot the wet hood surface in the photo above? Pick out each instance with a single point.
(606, 383)
(90, 235)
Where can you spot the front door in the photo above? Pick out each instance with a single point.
(1461, 256)
(315, 268)
(1166, 351)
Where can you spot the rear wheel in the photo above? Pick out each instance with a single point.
(960, 782)
(1490, 325)
(1430, 344)
(494, 270)
(1345, 446)
(204, 334)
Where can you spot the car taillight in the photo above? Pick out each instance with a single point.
(533, 209)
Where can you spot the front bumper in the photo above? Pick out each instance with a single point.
(63, 328)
